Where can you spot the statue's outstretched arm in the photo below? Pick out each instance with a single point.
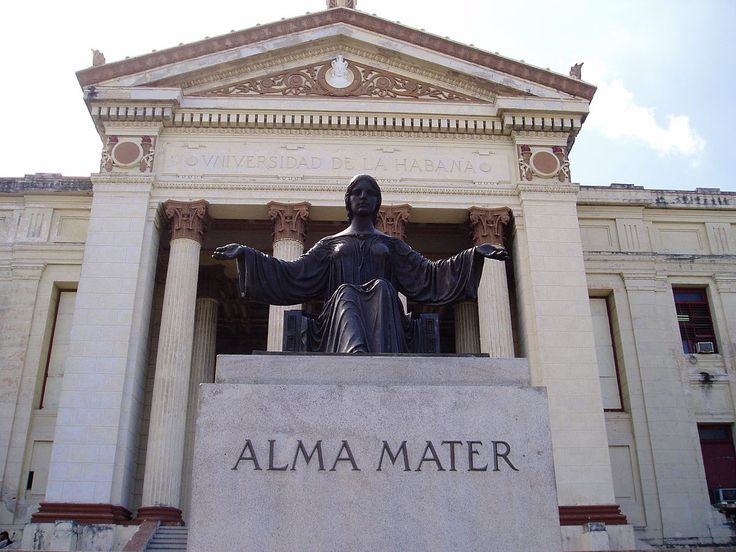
(229, 251)
(492, 252)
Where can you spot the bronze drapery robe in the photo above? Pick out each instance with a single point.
(359, 278)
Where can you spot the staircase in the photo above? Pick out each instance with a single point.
(168, 537)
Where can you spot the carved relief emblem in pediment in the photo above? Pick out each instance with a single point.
(342, 78)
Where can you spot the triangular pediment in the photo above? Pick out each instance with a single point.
(342, 77)
(336, 53)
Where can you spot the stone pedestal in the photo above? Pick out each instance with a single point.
(373, 453)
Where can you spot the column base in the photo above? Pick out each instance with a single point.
(167, 515)
(610, 514)
(50, 512)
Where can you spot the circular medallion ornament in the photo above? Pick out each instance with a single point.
(545, 163)
(339, 77)
(126, 153)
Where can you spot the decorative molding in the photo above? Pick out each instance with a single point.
(128, 152)
(289, 220)
(543, 162)
(393, 129)
(610, 514)
(525, 158)
(49, 512)
(392, 220)
(120, 178)
(167, 515)
(135, 115)
(187, 219)
(489, 225)
(563, 174)
(341, 78)
(549, 188)
(208, 184)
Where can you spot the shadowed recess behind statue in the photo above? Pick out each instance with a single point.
(359, 273)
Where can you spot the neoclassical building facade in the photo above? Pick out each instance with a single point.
(623, 299)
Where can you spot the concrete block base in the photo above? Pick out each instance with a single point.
(373, 453)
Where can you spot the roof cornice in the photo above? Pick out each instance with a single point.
(102, 73)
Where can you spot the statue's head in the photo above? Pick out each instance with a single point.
(365, 178)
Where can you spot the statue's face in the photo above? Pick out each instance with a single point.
(363, 199)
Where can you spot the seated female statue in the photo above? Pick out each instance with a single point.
(359, 272)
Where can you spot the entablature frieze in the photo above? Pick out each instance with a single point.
(117, 182)
(388, 188)
(132, 112)
(706, 266)
(547, 188)
(625, 195)
(135, 119)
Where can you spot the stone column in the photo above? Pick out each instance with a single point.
(289, 231)
(494, 310)
(203, 364)
(467, 335)
(165, 453)
(392, 221)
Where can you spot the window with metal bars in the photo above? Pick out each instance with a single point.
(693, 316)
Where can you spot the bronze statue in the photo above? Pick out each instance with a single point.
(359, 272)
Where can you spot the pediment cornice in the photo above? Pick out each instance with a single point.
(363, 22)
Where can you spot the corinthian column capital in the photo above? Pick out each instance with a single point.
(392, 220)
(488, 224)
(289, 220)
(187, 219)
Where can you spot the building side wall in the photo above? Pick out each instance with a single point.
(635, 253)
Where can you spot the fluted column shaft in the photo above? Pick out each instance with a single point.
(203, 371)
(289, 232)
(494, 309)
(165, 452)
(467, 335)
(392, 221)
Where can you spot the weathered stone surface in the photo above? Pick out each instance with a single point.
(254, 488)
(377, 370)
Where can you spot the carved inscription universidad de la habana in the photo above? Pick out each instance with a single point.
(441, 455)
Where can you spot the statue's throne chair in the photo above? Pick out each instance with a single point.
(425, 331)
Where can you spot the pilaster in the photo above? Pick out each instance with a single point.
(93, 458)
(673, 435)
(17, 299)
(552, 285)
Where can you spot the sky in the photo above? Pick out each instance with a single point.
(665, 72)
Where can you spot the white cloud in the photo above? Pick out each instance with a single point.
(616, 114)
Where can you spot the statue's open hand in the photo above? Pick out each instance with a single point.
(229, 251)
(492, 252)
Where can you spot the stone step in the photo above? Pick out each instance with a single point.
(172, 539)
